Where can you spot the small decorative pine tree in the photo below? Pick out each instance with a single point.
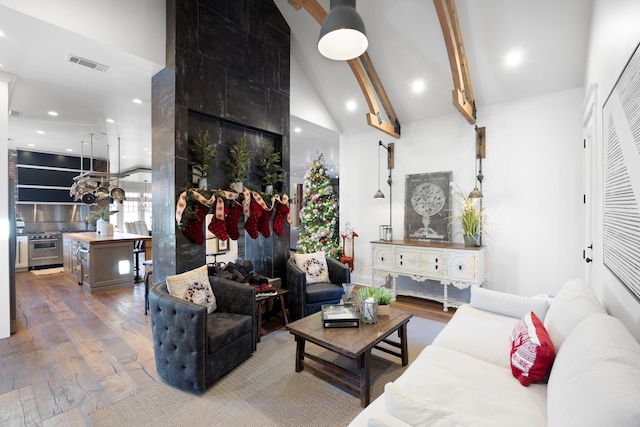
(319, 217)
(269, 169)
(202, 152)
(237, 163)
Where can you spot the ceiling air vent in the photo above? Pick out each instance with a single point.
(87, 63)
(15, 113)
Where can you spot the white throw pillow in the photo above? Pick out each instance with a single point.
(314, 266)
(193, 286)
(574, 302)
(507, 304)
(595, 379)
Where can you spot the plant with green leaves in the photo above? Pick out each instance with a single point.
(471, 218)
(202, 151)
(269, 169)
(102, 214)
(380, 294)
(237, 162)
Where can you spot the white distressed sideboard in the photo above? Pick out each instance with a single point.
(449, 263)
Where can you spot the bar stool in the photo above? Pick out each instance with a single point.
(147, 263)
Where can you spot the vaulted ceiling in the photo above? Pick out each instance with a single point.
(405, 44)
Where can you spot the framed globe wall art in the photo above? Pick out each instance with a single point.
(427, 207)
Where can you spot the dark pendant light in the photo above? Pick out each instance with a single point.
(342, 35)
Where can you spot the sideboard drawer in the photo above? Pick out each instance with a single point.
(382, 257)
(421, 262)
(462, 265)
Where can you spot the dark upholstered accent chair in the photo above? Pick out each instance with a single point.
(194, 349)
(307, 299)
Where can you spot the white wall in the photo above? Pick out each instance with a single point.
(615, 33)
(532, 187)
(137, 27)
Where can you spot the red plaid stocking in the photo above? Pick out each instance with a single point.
(278, 220)
(232, 220)
(194, 228)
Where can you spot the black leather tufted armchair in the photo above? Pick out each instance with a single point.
(307, 299)
(194, 349)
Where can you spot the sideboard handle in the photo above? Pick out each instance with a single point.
(436, 259)
(459, 267)
(381, 258)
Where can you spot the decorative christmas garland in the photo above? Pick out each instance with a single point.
(193, 205)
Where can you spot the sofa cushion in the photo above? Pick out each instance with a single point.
(223, 328)
(321, 292)
(507, 304)
(314, 266)
(574, 302)
(595, 380)
(532, 351)
(443, 387)
(193, 286)
(478, 333)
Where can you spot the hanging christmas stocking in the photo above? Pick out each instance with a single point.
(282, 212)
(232, 219)
(263, 223)
(194, 228)
(218, 225)
(251, 224)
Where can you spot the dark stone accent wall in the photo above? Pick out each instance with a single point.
(227, 72)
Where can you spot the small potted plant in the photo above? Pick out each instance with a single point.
(103, 227)
(471, 219)
(380, 294)
(202, 152)
(269, 169)
(237, 163)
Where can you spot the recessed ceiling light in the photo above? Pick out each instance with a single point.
(513, 59)
(137, 101)
(1, 34)
(417, 86)
(69, 150)
(351, 105)
(31, 145)
(110, 121)
(297, 130)
(145, 149)
(124, 157)
(41, 132)
(52, 113)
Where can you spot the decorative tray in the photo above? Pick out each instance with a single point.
(340, 316)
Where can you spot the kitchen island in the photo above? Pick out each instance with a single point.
(100, 263)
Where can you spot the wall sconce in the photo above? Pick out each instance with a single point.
(476, 193)
(342, 35)
(390, 160)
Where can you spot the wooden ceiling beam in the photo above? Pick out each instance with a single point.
(365, 75)
(463, 97)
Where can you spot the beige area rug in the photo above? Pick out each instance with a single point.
(46, 271)
(265, 390)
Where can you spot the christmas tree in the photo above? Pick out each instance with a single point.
(319, 213)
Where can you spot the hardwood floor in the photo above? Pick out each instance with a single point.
(74, 352)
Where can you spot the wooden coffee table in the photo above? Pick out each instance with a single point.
(353, 343)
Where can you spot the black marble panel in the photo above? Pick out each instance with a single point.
(245, 101)
(221, 41)
(278, 118)
(205, 90)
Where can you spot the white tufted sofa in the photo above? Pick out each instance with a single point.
(464, 378)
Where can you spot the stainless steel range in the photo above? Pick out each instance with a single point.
(45, 249)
